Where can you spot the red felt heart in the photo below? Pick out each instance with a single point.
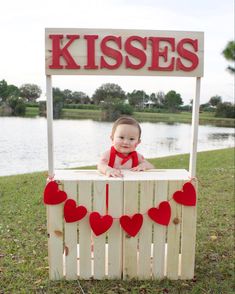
(132, 224)
(187, 196)
(100, 224)
(73, 213)
(53, 195)
(162, 214)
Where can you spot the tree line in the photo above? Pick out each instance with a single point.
(13, 100)
(109, 97)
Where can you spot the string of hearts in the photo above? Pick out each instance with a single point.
(130, 224)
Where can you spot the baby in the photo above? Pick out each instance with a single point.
(125, 138)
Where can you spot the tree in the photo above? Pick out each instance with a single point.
(58, 102)
(136, 98)
(225, 109)
(3, 90)
(229, 54)
(108, 91)
(113, 109)
(160, 98)
(80, 97)
(153, 98)
(173, 100)
(30, 92)
(67, 96)
(13, 91)
(215, 100)
(17, 105)
(206, 107)
(58, 93)
(7, 91)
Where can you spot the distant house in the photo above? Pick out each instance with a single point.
(149, 104)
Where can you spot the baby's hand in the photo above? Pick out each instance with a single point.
(140, 167)
(113, 172)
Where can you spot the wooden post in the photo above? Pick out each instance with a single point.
(54, 213)
(195, 121)
(50, 126)
(188, 242)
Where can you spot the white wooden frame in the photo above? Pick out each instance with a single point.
(80, 47)
(54, 217)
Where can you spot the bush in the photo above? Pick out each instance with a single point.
(225, 109)
(57, 107)
(114, 108)
(186, 108)
(81, 106)
(151, 110)
(42, 108)
(58, 104)
(20, 109)
(209, 109)
(32, 104)
(17, 106)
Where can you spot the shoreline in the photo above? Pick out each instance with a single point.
(205, 118)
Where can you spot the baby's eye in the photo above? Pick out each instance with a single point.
(132, 139)
(121, 137)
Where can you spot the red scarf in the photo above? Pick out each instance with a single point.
(133, 155)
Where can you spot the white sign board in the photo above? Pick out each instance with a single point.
(123, 52)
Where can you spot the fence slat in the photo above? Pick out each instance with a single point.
(70, 236)
(159, 235)
(173, 233)
(85, 198)
(145, 235)
(55, 240)
(188, 241)
(130, 243)
(115, 233)
(99, 241)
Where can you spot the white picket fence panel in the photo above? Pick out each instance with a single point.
(154, 253)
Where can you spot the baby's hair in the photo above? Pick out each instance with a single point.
(126, 120)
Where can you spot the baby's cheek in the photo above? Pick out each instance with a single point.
(117, 141)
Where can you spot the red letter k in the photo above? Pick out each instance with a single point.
(58, 52)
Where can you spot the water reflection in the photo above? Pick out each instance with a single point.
(169, 143)
(23, 144)
(220, 136)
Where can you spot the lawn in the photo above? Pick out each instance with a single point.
(23, 242)
(182, 117)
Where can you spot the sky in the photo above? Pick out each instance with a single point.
(23, 23)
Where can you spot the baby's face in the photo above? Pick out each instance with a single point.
(126, 138)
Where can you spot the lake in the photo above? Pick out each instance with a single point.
(23, 142)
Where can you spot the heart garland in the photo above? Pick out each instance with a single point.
(53, 195)
(187, 196)
(130, 224)
(100, 224)
(73, 213)
(162, 214)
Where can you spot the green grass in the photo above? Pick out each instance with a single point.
(23, 242)
(81, 114)
(182, 117)
(31, 111)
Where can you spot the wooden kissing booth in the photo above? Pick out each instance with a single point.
(142, 225)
